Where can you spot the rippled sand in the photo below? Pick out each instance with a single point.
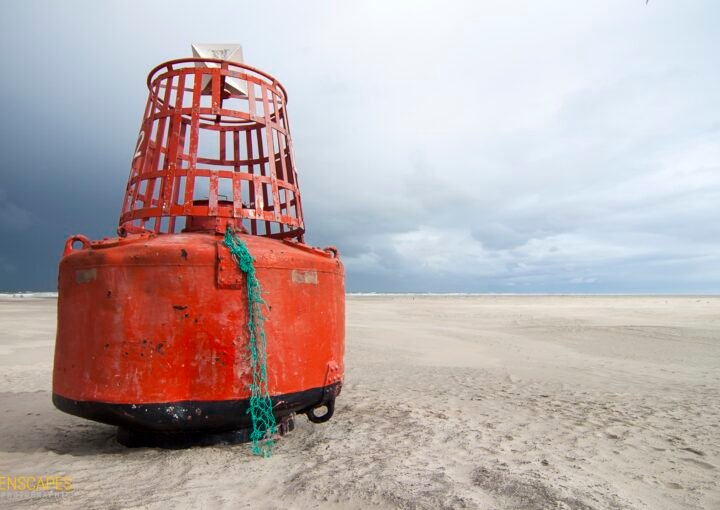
(450, 402)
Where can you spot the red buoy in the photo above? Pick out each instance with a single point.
(153, 325)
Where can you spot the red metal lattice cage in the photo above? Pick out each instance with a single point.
(214, 149)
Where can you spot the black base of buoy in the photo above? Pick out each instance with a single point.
(187, 439)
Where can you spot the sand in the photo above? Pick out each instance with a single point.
(450, 402)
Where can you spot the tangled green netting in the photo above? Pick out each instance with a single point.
(260, 409)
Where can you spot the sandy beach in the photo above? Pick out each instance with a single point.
(537, 402)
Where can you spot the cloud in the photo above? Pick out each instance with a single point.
(473, 146)
(582, 280)
(13, 217)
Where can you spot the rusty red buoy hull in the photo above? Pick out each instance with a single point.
(153, 325)
(152, 331)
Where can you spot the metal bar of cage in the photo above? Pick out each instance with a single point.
(185, 166)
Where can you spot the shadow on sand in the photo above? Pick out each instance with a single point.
(30, 423)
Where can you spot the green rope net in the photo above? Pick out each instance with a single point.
(260, 410)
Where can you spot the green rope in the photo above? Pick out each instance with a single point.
(260, 410)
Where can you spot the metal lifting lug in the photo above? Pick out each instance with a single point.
(330, 405)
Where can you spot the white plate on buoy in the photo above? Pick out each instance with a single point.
(229, 52)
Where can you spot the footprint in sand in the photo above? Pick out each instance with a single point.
(693, 450)
(673, 485)
(702, 464)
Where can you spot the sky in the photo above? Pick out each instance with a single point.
(479, 146)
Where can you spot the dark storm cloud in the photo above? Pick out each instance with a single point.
(470, 146)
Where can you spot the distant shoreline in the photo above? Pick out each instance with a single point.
(53, 295)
